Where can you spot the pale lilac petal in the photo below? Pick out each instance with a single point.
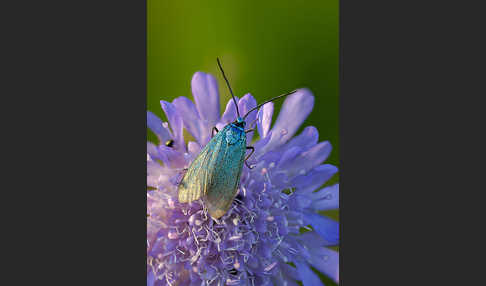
(324, 226)
(280, 179)
(314, 179)
(295, 110)
(302, 162)
(290, 271)
(308, 277)
(150, 278)
(175, 122)
(282, 279)
(265, 119)
(326, 198)
(288, 157)
(193, 148)
(305, 140)
(191, 119)
(326, 261)
(155, 124)
(171, 158)
(246, 103)
(300, 201)
(229, 114)
(260, 146)
(206, 95)
(312, 240)
(156, 175)
(152, 151)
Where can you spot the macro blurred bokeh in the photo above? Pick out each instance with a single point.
(266, 47)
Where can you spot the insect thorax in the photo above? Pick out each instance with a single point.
(234, 133)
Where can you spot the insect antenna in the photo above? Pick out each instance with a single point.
(229, 87)
(272, 99)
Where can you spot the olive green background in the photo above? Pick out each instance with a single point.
(266, 47)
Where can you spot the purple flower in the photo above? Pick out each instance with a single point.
(259, 241)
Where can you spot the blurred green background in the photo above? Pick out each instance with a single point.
(266, 47)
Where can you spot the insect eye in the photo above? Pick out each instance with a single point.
(169, 143)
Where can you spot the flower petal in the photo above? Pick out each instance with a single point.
(156, 175)
(305, 140)
(171, 158)
(290, 271)
(191, 120)
(206, 95)
(302, 162)
(152, 151)
(175, 122)
(193, 148)
(150, 278)
(155, 124)
(295, 110)
(313, 240)
(326, 198)
(288, 156)
(282, 279)
(309, 278)
(314, 179)
(265, 119)
(299, 201)
(260, 146)
(324, 226)
(246, 103)
(326, 261)
(229, 114)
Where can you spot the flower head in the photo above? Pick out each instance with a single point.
(259, 241)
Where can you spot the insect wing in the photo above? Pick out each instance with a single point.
(195, 180)
(225, 169)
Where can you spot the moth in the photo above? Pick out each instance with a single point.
(215, 173)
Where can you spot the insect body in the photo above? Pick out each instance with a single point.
(215, 173)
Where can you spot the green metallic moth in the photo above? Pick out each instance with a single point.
(215, 173)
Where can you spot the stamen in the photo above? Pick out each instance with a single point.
(270, 267)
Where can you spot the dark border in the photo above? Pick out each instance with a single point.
(411, 73)
(76, 163)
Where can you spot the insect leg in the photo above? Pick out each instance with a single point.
(252, 150)
(249, 166)
(249, 130)
(212, 131)
(247, 157)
